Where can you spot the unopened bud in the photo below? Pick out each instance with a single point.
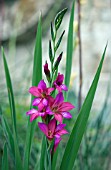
(47, 71)
(58, 61)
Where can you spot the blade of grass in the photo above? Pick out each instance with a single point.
(80, 124)
(10, 89)
(43, 149)
(69, 49)
(36, 77)
(18, 162)
(8, 135)
(54, 160)
(103, 111)
(5, 158)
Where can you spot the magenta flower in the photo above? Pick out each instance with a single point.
(33, 113)
(58, 108)
(58, 83)
(42, 93)
(53, 131)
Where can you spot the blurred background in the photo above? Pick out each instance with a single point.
(18, 24)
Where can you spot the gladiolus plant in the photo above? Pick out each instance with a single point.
(49, 106)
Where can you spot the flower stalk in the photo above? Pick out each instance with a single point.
(52, 109)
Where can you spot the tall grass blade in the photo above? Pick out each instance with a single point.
(80, 124)
(10, 90)
(43, 149)
(69, 49)
(36, 77)
(54, 160)
(5, 158)
(18, 162)
(98, 122)
(8, 135)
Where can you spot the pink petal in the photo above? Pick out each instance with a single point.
(33, 116)
(59, 98)
(45, 102)
(57, 141)
(64, 87)
(36, 101)
(32, 111)
(43, 127)
(57, 135)
(59, 89)
(49, 90)
(42, 114)
(42, 85)
(40, 106)
(52, 125)
(48, 111)
(65, 106)
(60, 127)
(34, 91)
(51, 100)
(58, 117)
(60, 78)
(66, 115)
(60, 133)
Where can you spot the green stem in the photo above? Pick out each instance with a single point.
(52, 63)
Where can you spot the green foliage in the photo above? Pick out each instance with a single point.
(52, 33)
(42, 158)
(5, 158)
(10, 90)
(8, 136)
(58, 18)
(59, 41)
(37, 66)
(69, 49)
(80, 124)
(70, 154)
(50, 53)
(54, 160)
(57, 62)
(18, 162)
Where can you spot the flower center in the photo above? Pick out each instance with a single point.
(55, 109)
(49, 133)
(58, 83)
(43, 110)
(43, 95)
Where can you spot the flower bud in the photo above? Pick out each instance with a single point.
(47, 71)
(57, 61)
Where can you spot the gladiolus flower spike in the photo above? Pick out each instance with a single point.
(52, 109)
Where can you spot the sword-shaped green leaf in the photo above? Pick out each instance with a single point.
(36, 77)
(80, 124)
(69, 49)
(10, 89)
(8, 135)
(5, 158)
(18, 162)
